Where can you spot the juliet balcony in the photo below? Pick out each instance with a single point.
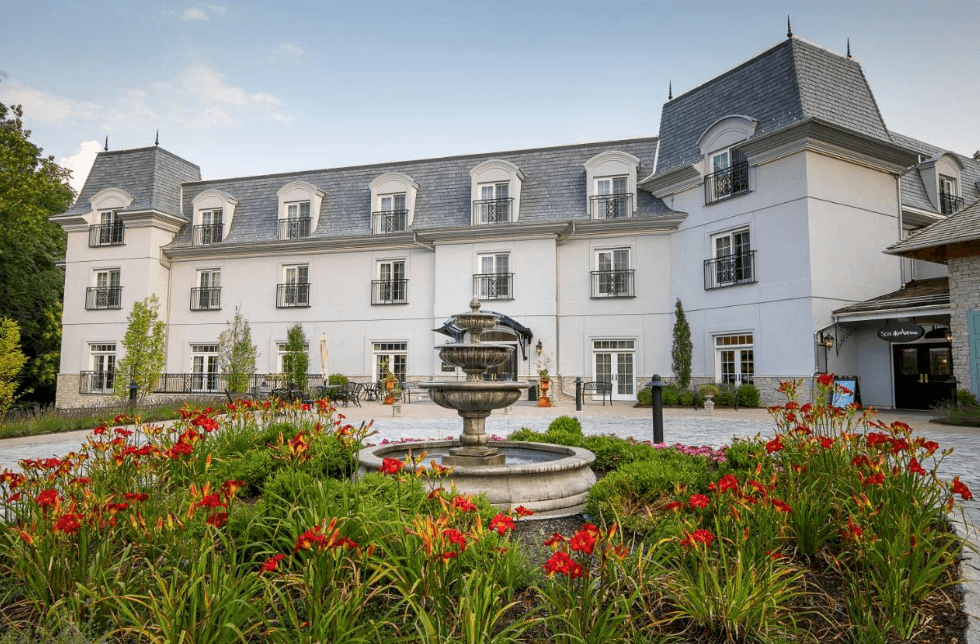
(730, 270)
(296, 295)
(493, 211)
(389, 292)
(206, 299)
(103, 297)
(493, 286)
(726, 183)
(948, 204)
(616, 206)
(295, 228)
(207, 235)
(389, 221)
(108, 235)
(616, 283)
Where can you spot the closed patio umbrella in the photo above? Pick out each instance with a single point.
(324, 355)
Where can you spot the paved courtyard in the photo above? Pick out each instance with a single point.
(423, 419)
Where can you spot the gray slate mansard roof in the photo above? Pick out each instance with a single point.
(793, 81)
(913, 190)
(151, 175)
(553, 190)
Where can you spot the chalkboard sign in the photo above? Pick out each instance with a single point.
(841, 398)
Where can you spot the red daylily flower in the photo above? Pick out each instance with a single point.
(391, 466)
(68, 523)
(583, 541)
(915, 468)
(960, 488)
(218, 519)
(463, 504)
(502, 524)
(561, 563)
(271, 563)
(523, 512)
(698, 501)
(825, 379)
(774, 445)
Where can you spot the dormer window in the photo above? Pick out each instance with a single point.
(108, 232)
(496, 192)
(392, 203)
(729, 175)
(299, 209)
(941, 174)
(611, 183)
(211, 228)
(213, 212)
(392, 216)
(949, 199)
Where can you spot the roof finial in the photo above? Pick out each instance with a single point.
(670, 90)
(848, 47)
(789, 28)
(157, 141)
(107, 143)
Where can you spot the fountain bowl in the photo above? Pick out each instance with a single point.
(551, 480)
(476, 357)
(468, 396)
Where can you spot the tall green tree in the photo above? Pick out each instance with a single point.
(237, 353)
(11, 361)
(145, 345)
(296, 362)
(32, 188)
(682, 349)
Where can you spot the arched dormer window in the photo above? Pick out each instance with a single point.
(299, 209)
(106, 228)
(496, 192)
(941, 177)
(213, 212)
(393, 202)
(726, 168)
(610, 184)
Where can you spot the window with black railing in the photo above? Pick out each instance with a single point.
(613, 283)
(295, 228)
(727, 182)
(389, 221)
(392, 291)
(492, 211)
(206, 299)
(730, 270)
(206, 235)
(493, 286)
(103, 297)
(616, 206)
(96, 382)
(949, 203)
(292, 295)
(106, 235)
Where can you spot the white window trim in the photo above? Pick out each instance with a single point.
(213, 199)
(297, 191)
(393, 183)
(735, 347)
(607, 165)
(108, 199)
(376, 354)
(725, 133)
(496, 171)
(281, 351)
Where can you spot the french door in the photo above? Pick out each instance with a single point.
(615, 363)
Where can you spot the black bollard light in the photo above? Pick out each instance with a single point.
(133, 388)
(656, 386)
(578, 393)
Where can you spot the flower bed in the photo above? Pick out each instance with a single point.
(243, 525)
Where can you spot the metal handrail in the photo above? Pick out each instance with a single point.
(110, 235)
(103, 297)
(948, 204)
(728, 182)
(206, 298)
(615, 283)
(206, 235)
(389, 292)
(730, 270)
(295, 228)
(493, 286)
(389, 221)
(614, 206)
(492, 211)
(96, 382)
(292, 295)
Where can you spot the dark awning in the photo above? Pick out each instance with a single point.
(523, 333)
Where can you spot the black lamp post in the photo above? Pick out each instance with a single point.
(656, 386)
(133, 388)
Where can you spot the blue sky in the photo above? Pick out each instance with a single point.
(246, 88)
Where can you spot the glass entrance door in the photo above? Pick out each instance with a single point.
(614, 363)
(922, 375)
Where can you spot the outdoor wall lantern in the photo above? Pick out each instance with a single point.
(539, 347)
(826, 341)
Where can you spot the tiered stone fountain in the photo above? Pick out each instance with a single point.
(551, 480)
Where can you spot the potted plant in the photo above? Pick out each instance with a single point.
(544, 381)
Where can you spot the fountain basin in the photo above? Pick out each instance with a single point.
(474, 395)
(551, 480)
(476, 357)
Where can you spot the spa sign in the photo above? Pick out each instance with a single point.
(901, 332)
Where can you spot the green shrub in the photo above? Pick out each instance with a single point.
(671, 395)
(528, 435)
(288, 486)
(337, 379)
(685, 398)
(965, 398)
(748, 396)
(644, 397)
(725, 396)
(271, 433)
(565, 424)
(742, 455)
(328, 458)
(709, 390)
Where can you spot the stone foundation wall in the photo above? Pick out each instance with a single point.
(964, 296)
(67, 396)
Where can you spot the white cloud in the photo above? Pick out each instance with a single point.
(287, 53)
(217, 9)
(47, 108)
(194, 15)
(80, 163)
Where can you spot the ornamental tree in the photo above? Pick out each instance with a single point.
(682, 349)
(237, 353)
(12, 359)
(145, 345)
(296, 361)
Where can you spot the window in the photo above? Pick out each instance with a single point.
(211, 229)
(614, 362)
(494, 281)
(204, 367)
(949, 201)
(732, 262)
(282, 360)
(728, 175)
(296, 223)
(613, 276)
(107, 293)
(295, 289)
(493, 207)
(392, 215)
(108, 232)
(391, 356)
(391, 287)
(611, 199)
(734, 359)
(102, 359)
(496, 192)
(207, 295)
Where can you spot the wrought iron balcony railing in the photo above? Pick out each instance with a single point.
(492, 211)
(292, 295)
(493, 286)
(727, 183)
(618, 283)
(294, 228)
(389, 292)
(206, 299)
(103, 297)
(948, 204)
(110, 235)
(615, 206)
(389, 221)
(206, 235)
(96, 382)
(255, 385)
(730, 270)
